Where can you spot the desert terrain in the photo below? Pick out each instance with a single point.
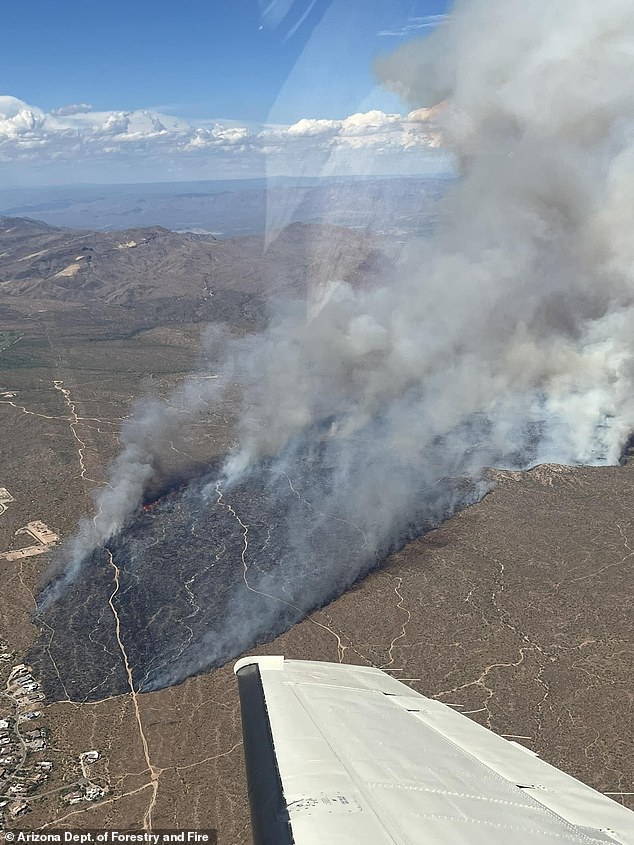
(516, 610)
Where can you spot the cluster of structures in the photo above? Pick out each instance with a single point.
(23, 738)
(20, 774)
(23, 689)
(85, 789)
(5, 653)
(22, 771)
(84, 792)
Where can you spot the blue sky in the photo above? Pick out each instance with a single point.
(200, 58)
(244, 61)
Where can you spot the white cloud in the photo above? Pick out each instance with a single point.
(365, 130)
(73, 108)
(19, 120)
(218, 137)
(306, 128)
(83, 138)
(10, 106)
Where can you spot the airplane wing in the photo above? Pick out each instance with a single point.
(347, 754)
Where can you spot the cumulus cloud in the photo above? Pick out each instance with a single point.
(218, 136)
(365, 130)
(19, 122)
(79, 134)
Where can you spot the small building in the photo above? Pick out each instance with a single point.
(18, 788)
(28, 716)
(18, 808)
(94, 792)
(38, 733)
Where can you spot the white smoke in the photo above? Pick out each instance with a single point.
(521, 306)
(506, 337)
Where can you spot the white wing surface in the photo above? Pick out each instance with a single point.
(347, 754)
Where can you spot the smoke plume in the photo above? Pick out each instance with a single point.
(506, 338)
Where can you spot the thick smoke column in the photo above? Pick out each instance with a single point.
(521, 307)
(506, 338)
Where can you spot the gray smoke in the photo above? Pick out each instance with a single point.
(521, 306)
(506, 338)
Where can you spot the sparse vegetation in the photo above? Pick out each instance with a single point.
(8, 339)
(538, 569)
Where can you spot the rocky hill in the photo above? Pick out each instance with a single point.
(164, 276)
